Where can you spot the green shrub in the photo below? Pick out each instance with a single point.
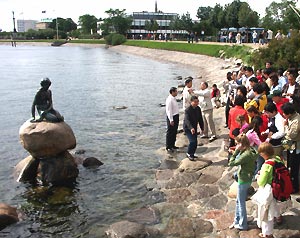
(115, 39)
(282, 53)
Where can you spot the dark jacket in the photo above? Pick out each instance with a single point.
(193, 116)
(295, 97)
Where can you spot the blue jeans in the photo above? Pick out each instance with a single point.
(240, 219)
(193, 142)
(259, 162)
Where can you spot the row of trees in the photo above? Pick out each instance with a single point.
(279, 15)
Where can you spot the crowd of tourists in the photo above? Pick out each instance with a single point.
(261, 113)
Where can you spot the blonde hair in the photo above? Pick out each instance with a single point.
(266, 148)
(243, 139)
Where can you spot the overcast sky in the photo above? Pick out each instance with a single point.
(32, 9)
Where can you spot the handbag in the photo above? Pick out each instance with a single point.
(263, 195)
(288, 144)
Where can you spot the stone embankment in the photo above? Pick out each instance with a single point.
(192, 199)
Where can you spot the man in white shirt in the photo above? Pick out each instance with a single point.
(275, 129)
(207, 111)
(270, 35)
(187, 93)
(249, 74)
(172, 112)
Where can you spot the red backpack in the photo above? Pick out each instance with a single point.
(281, 184)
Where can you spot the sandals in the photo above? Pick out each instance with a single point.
(266, 236)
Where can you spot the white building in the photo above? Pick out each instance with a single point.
(25, 25)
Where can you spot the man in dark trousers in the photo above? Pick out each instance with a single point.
(192, 117)
(172, 111)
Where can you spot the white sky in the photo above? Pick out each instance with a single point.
(32, 9)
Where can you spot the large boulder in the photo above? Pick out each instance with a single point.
(58, 170)
(26, 169)
(8, 215)
(127, 229)
(46, 139)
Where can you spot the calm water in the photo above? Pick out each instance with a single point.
(86, 84)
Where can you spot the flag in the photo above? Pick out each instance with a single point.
(43, 11)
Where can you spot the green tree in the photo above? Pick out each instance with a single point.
(231, 14)
(217, 17)
(280, 16)
(246, 16)
(282, 53)
(151, 25)
(88, 23)
(65, 25)
(203, 13)
(117, 22)
(186, 22)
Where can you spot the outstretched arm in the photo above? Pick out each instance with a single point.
(33, 109)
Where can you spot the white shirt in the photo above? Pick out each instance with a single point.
(204, 99)
(282, 81)
(270, 34)
(186, 95)
(172, 108)
(247, 84)
(291, 89)
(279, 125)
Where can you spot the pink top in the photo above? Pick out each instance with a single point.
(244, 127)
(253, 138)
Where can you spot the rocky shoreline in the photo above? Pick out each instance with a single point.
(192, 199)
(196, 199)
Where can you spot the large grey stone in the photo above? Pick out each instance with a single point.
(211, 174)
(191, 166)
(127, 229)
(168, 164)
(187, 227)
(200, 191)
(58, 169)
(177, 195)
(182, 180)
(26, 169)
(45, 139)
(144, 215)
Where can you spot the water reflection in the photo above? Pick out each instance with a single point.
(86, 86)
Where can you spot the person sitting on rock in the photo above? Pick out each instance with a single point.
(43, 103)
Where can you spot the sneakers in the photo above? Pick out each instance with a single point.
(191, 157)
(169, 150)
(203, 136)
(212, 138)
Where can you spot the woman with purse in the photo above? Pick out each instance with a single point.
(244, 157)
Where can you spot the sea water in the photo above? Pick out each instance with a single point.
(86, 84)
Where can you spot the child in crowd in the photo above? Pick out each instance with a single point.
(265, 176)
(215, 96)
(241, 119)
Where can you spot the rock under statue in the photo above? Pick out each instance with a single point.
(43, 103)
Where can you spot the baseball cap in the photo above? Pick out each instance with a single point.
(275, 93)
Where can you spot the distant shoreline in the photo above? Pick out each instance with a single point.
(207, 68)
